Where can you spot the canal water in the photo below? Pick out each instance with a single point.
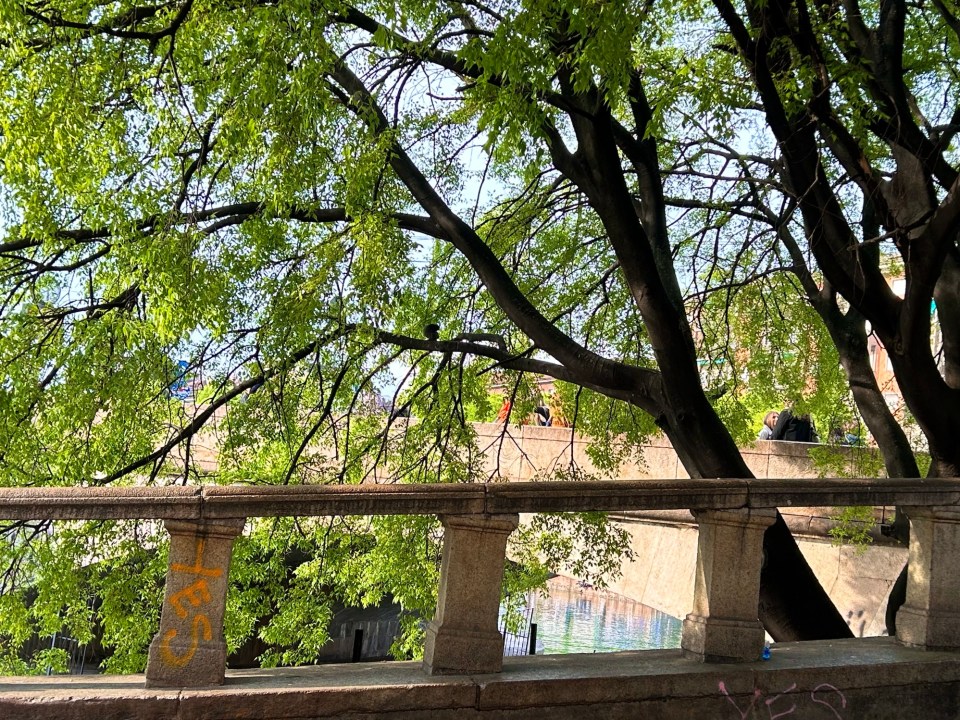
(577, 619)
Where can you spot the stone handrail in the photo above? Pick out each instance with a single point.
(217, 501)
(463, 637)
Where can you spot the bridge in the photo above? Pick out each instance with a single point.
(664, 542)
(717, 673)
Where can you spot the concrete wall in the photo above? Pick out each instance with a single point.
(526, 451)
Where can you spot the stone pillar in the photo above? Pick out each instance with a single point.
(723, 626)
(189, 649)
(930, 617)
(463, 636)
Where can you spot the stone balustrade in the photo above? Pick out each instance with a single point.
(189, 650)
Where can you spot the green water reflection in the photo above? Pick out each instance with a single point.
(573, 619)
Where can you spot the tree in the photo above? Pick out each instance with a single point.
(772, 268)
(861, 108)
(286, 193)
(853, 96)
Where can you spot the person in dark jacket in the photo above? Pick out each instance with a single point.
(794, 428)
(542, 415)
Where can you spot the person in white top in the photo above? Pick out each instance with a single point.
(769, 421)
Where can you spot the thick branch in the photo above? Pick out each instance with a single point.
(830, 236)
(511, 361)
(588, 366)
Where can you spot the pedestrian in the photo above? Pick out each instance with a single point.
(794, 428)
(769, 422)
(542, 415)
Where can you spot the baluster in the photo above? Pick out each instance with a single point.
(189, 650)
(463, 636)
(930, 617)
(724, 624)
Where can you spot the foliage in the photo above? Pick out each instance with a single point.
(765, 348)
(846, 461)
(853, 525)
(55, 589)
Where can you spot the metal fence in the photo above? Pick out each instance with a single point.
(524, 641)
(80, 658)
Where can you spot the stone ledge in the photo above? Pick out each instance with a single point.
(114, 503)
(813, 522)
(616, 495)
(318, 500)
(212, 501)
(875, 678)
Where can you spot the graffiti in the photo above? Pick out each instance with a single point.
(829, 688)
(783, 704)
(186, 601)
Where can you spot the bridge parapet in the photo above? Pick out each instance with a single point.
(525, 452)
(188, 650)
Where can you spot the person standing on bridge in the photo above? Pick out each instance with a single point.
(541, 413)
(769, 422)
(794, 428)
(504, 412)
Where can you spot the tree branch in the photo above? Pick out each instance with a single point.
(589, 367)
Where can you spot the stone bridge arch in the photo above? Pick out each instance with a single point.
(661, 575)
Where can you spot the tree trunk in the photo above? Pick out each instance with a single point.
(850, 338)
(793, 604)
(701, 441)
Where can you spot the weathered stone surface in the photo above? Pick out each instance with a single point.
(238, 701)
(514, 453)
(858, 580)
(189, 649)
(71, 503)
(617, 495)
(930, 617)
(875, 679)
(723, 625)
(368, 499)
(662, 571)
(833, 492)
(212, 502)
(502, 449)
(718, 640)
(788, 459)
(757, 457)
(463, 636)
(64, 705)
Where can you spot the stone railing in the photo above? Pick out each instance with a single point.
(463, 637)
